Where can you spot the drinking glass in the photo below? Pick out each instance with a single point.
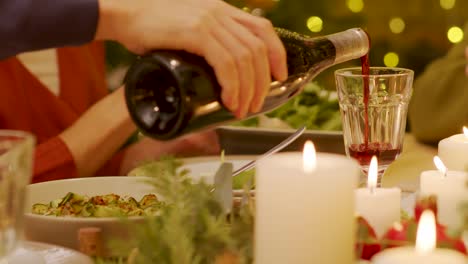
(374, 122)
(16, 155)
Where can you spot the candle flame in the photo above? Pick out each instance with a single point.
(426, 236)
(372, 174)
(440, 165)
(465, 131)
(309, 157)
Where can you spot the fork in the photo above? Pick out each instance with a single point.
(222, 180)
(272, 151)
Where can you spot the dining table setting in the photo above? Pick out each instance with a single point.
(368, 192)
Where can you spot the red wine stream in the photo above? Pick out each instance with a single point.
(365, 72)
(363, 153)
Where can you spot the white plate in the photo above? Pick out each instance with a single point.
(41, 253)
(205, 167)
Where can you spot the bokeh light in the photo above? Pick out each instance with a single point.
(455, 34)
(447, 4)
(391, 59)
(315, 24)
(397, 25)
(355, 6)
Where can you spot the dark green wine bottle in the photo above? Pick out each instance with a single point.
(172, 93)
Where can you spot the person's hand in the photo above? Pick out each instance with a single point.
(243, 49)
(147, 149)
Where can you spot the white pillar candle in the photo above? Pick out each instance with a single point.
(425, 251)
(305, 209)
(450, 189)
(379, 206)
(454, 151)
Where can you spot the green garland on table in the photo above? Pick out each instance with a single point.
(192, 228)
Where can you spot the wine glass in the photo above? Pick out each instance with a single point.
(16, 155)
(373, 111)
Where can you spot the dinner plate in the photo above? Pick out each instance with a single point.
(205, 167)
(41, 253)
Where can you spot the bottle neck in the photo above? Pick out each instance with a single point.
(350, 44)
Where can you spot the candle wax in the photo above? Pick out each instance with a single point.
(409, 255)
(302, 217)
(453, 151)
(450, 191)
(381, 208)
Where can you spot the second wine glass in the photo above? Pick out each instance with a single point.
(373, 110)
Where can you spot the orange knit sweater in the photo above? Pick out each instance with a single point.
(26, 104)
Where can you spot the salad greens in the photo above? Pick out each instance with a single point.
(316, 108)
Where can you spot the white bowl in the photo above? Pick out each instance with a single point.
(63, 231)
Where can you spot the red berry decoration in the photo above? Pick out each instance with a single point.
(425, 203)
(404, 233)
(445, 240)
(367, 244)
(400, 234)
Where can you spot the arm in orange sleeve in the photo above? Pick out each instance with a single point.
(53, 161)
(112, 167)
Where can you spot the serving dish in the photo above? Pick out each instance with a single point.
(41, 253)
(62, 230)
(253, 141)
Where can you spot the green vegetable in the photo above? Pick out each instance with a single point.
(192, 228)
(109, 205)
(315, 107)
(40, 208)
(243, 179)
(166, 165)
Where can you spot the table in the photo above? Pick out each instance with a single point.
(405, 171)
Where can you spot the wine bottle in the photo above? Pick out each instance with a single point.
(172, 93)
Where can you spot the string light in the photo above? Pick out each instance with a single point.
(455, 34)
(397, 25)
(391, 59)
(447, 4)
(355, 6)
(315, 24)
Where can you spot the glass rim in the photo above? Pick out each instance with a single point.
(15, 133)
(347, 72)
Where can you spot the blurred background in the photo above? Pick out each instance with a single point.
(404, 33)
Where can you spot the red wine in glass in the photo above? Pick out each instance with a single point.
(374, 114)
(363, 153)
(384, 152)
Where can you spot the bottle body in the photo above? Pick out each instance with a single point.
(171, 93)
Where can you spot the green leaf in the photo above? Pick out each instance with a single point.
(223, 186)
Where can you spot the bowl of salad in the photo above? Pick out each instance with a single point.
(316, 108)
(56, 211)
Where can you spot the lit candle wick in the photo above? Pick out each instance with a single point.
(465, 131)
(372, 175)
(440, 166)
